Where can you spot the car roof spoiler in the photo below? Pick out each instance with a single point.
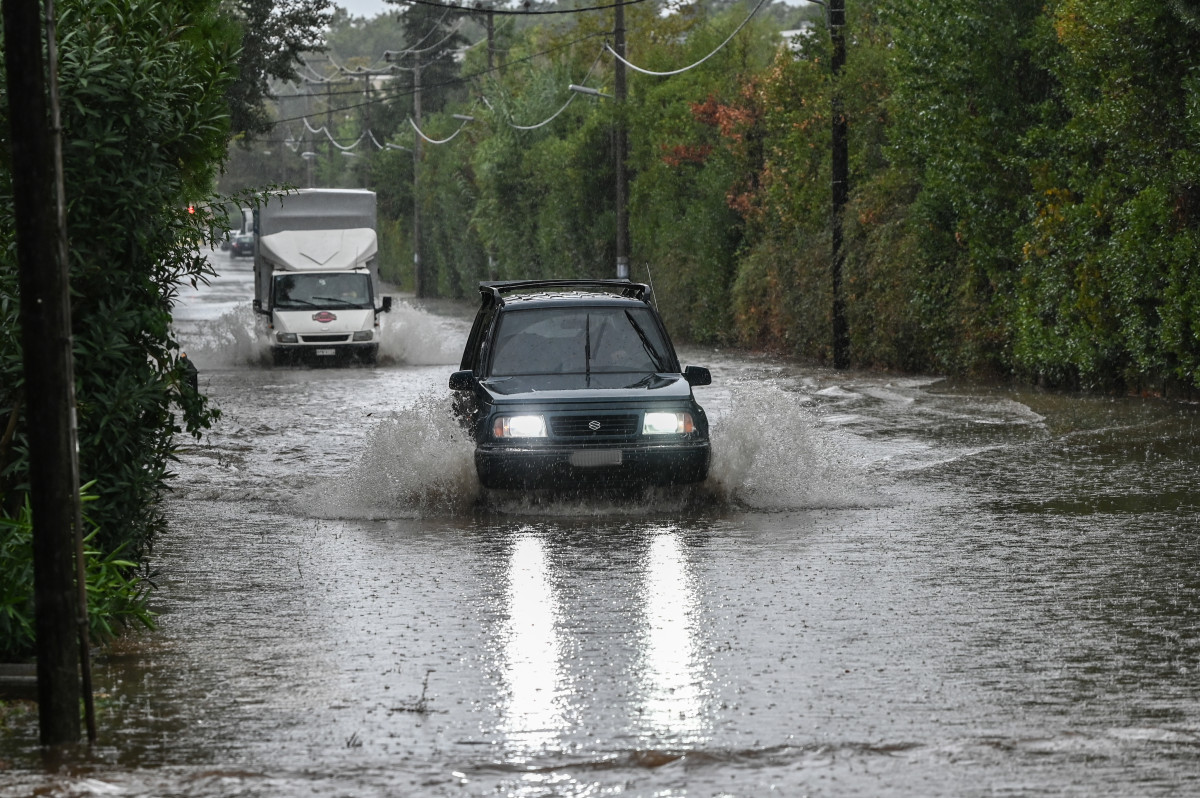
(497, 289)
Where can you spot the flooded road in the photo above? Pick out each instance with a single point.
(890, 586)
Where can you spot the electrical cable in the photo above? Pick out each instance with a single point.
(328, 135)
(388, 55)
(451, 82)
(480, 10)
(461, 125)
(564, 107)
(436, 26)
(720, 47)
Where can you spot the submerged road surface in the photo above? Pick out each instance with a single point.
(889, 587)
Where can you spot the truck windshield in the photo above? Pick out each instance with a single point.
(303, 290)
(579, 340)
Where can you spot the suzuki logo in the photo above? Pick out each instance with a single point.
(593, 425)
(324, 317)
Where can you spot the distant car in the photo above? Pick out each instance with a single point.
(242, 245)
(573, 383)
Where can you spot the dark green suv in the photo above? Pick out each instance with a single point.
(571, 383)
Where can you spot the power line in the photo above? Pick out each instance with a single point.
(462, 124)
(389, 55)
(720, 47)
(607, 47)
(556, 114)
(479, 8)
(450, 82)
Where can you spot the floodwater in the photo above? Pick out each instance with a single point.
(890, 586)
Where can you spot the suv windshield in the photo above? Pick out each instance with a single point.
(299, 291)
(578, 340)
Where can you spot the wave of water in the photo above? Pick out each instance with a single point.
(417, 462)
(409, 335)
(770, 452)
(228, 341)
(416, 337)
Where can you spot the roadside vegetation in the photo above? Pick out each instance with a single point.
(146, 90)
(1024, 175)
(1024, 194)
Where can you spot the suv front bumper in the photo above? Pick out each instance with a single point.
(674, 463)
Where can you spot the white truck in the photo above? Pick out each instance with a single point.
(316, 276)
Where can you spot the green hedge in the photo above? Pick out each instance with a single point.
(144, 130)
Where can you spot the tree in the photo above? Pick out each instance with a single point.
(274, 35)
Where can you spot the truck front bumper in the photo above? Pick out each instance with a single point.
(325, 352)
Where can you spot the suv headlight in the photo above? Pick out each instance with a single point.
(667, 424)
(519, 427)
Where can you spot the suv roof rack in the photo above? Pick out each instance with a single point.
(497, 289)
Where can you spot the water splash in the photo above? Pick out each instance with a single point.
(772, 452)
(230, 340)
(408, 335)
(417, 463)
(417, 337)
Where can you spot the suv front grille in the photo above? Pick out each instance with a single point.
(597, 426)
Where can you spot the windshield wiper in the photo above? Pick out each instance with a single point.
(655, 357)
(287, 302)
(644, 381)
(345, 302)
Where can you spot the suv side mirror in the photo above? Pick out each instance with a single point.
(462, 381)
(386, 305)
(697, 375)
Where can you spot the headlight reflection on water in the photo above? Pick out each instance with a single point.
(533, 672)
(673, 678)
(646, 619)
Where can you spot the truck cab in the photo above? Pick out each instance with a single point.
(316, 277)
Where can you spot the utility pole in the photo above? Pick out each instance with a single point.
(419, 287)
(491, 39)
(619, 143)
(329, 125)
(840, 182)
(48, 365)
(367, 101)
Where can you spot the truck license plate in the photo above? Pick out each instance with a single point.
(590, 458)
(326, 352)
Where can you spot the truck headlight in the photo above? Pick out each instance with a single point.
(286, 338)
(667, 424)
(364, 335)
(519, 427)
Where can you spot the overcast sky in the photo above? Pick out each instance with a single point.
(366, 8)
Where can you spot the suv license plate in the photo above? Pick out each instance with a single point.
(325, 352)
(590, 458)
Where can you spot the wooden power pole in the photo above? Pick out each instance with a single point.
(419, 286)
(620, 143)
(49, 369)
(840, 183)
